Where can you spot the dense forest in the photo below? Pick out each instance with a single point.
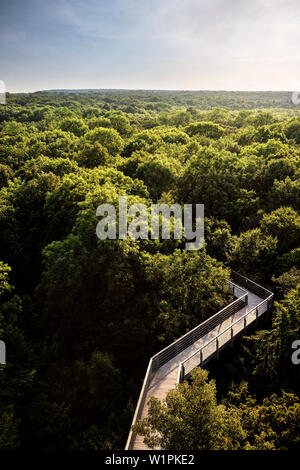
(80, 316)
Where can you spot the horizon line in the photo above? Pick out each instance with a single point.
(60, 90)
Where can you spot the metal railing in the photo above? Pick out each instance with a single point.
(251, 286)
(166, 354)
(182, 343)
(213, 346)
(140, 404)
(199, 357)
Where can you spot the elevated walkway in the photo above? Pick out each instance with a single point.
(173, 364)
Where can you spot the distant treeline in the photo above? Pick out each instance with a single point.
(164, 99)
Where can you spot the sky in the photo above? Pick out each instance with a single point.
(150, 44)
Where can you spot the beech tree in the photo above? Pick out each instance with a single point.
(190, 418)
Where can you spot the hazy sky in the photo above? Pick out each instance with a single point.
(152, 44)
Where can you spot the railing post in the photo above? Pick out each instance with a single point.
(201, 357)
(151, 368)
(245, 322)
(181, 373)
(155, 364)
(256, 314)
(231, 336)
(217, 346)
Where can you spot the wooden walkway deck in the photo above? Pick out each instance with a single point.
(164, 375)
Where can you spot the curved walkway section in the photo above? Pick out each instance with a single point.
(173, 364)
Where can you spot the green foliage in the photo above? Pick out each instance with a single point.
(292, 130)
(207, 129)
(190, 418)
(284, 224)
(220, 180)
(120, 123)
(74, 125)
(273, 424)
(8, 431)
(93, 155)
(4, 283)
(16, 377)
(158, 172)
(288, 280)
(251, 249)
(276, 344)
(174, 278)
(285, 193)
(217, 237)
(75, 310)
(108, 138)
(147, 141)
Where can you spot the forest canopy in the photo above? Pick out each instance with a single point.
(80, 316)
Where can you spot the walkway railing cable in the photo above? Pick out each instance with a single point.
(239, 289)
